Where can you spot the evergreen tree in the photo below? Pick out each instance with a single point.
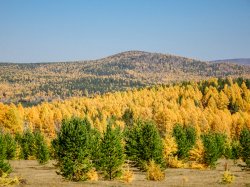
(2, 147)
(236, 149)
(112, 153)
(245, 144)
(42, 150)
(11, 146)
(26, 141)
(72, 149)
(128, 117)
(214, 145)
(185, 138)
(143, 143)
(4, 166)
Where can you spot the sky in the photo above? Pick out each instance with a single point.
(68, 30)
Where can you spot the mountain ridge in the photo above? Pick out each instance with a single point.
(241, 61)
(35, 82)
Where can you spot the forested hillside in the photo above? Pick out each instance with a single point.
(241, 61)
(218, 105)
(36, 82)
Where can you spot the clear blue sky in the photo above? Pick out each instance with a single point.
(60, 30)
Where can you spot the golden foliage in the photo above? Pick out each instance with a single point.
(127, 175)
(196, 165)
(197, 153)
(207, 110)
(173, 162)
(170, 147)
(228, 177)
(5, 180)
(92, 175)
(154, 172)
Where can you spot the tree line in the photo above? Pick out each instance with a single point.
(82, 150)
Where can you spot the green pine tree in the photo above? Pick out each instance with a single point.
(214, 145)
(112, 153)
(143, 143)
(245, 144)
(4, 165)
(11, 146)
(42, 150)
(27, 144)
(185, 139)
(72, 149)
(236, 149)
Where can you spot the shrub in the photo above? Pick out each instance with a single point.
(154, 172)
(185, 138)
(227, 177)
(245, 144)
(127, 176)
(143, 143)
(6, 181)
(92, 175)
(72, 148)
(195, 165)
(112, 153)
(173, 162)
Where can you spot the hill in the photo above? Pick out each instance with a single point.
(36, 82)
(241, 61)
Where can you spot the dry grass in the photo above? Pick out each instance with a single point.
(45, 175)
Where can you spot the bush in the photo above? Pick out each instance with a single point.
(154, 172)
(227, 177)
(42, 150)
(185, 138)
(6, 181)
(92, 175)
(143, 143)
(127, 175)
(112, 153)
(173, 162)
(245, 144)
(214, 145)
(72, 149)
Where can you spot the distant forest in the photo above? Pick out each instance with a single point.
(31, 84)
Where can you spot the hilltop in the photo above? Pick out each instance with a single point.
(35, 82)
(242, 61)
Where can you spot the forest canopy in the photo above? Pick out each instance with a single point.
(218, 105)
